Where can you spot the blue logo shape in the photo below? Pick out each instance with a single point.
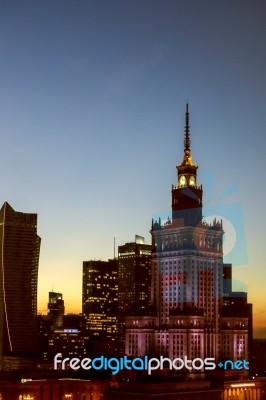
(234, 241)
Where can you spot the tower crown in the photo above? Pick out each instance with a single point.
(187, 195)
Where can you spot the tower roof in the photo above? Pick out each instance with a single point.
(187, 159)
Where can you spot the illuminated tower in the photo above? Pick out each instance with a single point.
(187, 196)
(187, 282)
(99, 297)
(19, 259)
(188, 267)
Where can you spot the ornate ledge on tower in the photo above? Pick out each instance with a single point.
(188, 309)
(173, 235)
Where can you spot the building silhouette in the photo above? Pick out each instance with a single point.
(56, 310)
(134, 283)
(70, 342)
(19, 259)
(191, 286)
(134, 277)
(60, 333)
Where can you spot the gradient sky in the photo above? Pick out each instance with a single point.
(92, 111)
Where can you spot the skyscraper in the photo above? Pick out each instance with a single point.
(99, 297)
(192, 318)
(56, 310)
(19, 259)
(134, 277)
(134, 283)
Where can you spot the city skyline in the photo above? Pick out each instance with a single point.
(92, 115)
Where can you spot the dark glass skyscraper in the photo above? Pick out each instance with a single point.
(19, 259)
(134, 283)
(56, 310)
(134, 278)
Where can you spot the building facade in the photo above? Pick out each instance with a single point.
(19, 259)
(56, 310)
(51, 385)
(99, 297)
(134, 283)
(134, 277)
(69, 342)
(191, 317)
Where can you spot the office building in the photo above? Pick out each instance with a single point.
(99, 297)
(69, 341)
(56, 310)
(19, 259)
(134, 283)
(64, 335)
(134, 277)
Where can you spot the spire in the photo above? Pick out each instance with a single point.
(187, 136)
(187, 160)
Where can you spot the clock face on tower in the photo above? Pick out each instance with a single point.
(182, 180)
(192, 181)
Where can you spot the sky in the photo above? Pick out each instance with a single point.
(92, 113)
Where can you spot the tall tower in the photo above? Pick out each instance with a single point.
(19, 259)
(187, 282)
(188, 264)
(187, 251)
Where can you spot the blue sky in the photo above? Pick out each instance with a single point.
(92, 111)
